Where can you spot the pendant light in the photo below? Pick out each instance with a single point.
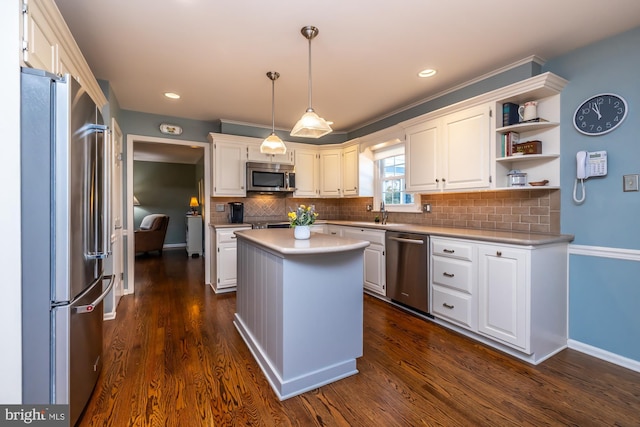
(272, 144)
(310, 124)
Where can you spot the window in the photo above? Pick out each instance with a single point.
(391, 181)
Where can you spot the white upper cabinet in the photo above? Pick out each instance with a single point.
(350, 171)
(307, 164)
(229, 159)
(421, 156)
(47, 44)
(465, 154)
(40, 45)
(331, 173)
(450, 152)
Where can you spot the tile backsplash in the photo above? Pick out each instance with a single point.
(535, 211)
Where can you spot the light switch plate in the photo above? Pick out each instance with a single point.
(219, 207)
(426, 207)
(630, 182)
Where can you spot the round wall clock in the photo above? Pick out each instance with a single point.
(600, 114)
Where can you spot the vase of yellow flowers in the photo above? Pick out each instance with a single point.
(301, 219)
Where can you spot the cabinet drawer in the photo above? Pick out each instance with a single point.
(452, 273)
(227, 235)
(452, 306)
(451, 249)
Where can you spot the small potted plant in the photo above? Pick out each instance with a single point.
(300, 219)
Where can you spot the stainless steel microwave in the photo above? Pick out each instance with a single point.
(270, 177)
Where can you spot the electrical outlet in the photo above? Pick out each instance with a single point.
(219, 207)
(369, 208)
(426, 207)
(630, 182)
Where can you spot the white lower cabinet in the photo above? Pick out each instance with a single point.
(225, 265)
(510, 296)
(453, 285)
(374, 257)
(503, 291)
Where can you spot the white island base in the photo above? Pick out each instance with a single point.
(299, 307)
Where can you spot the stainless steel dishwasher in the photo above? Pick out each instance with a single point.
(408, 269)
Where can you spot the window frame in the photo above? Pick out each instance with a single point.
(378, 179)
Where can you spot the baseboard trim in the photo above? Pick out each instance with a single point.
(616, 359)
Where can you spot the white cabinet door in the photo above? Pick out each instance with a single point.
(502, 294)
(374, 257)
(421, 154)
(226, 259)
(465, 154)
(350, 172)
(452, 152)
(374, 269)
(224, 269)
(307, 173)
(331, 173)
(40, 47)
(229, 168)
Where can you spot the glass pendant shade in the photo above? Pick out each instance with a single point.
(311, 125)
(272, 144)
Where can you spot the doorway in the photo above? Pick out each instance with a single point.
(164, 143)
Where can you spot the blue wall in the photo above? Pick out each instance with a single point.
(165, 188)
(604, 293)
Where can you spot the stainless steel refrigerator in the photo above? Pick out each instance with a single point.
(65, 239)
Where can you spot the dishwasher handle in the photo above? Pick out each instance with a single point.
(404, 240)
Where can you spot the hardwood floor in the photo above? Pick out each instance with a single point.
(174, 358)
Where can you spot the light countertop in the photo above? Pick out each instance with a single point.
(281, 240)
(495, 236)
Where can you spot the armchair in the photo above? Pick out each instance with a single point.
(150, 236)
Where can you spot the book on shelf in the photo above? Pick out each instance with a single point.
(509, 140)
(510, 114)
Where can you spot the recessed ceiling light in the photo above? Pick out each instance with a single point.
(172, 95)
(429, 72)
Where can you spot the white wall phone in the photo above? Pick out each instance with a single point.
(588, 164)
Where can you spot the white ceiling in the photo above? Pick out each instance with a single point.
(216, 53)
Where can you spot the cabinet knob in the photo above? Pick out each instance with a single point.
(444, 180)
(437, 180)
(498, 253)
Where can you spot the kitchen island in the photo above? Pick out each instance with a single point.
(299, 306)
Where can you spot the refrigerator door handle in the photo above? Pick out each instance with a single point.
(90, 307)
(103, 249)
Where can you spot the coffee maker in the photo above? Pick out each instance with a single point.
(236, 212)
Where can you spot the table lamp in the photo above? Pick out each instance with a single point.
(193, 203)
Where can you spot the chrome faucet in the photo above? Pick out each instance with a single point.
(383, 213)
